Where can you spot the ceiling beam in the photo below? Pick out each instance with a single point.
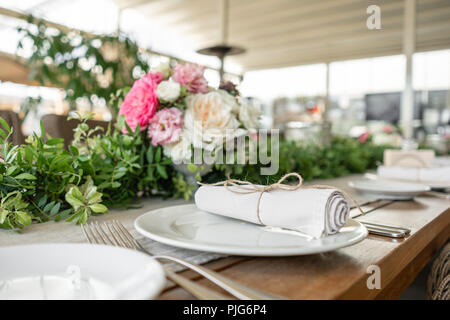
(436, 39)
(129, 4)
(287, 29)
(206, 23)
(14, 69)
(435, 17)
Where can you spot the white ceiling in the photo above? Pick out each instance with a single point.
(279, 33)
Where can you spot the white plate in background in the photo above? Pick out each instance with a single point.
(432, 184)
(389, 190)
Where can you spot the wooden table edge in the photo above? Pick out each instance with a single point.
(432, 237)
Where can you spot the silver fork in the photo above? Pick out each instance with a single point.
(118, 235)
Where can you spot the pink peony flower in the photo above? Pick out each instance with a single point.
(388, 129)
(165, 126)
(364, 137)
(141, 102)
(157, 77)
(253, 135)
(191, 76)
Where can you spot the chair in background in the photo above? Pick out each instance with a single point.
(57, 126)
(13, 120)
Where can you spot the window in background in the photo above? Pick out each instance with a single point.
(354, 78)
(285, 82)
(352, 82)
(431, 77)
(431, 70)
(286, 94)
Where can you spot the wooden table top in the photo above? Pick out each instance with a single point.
(341, 274)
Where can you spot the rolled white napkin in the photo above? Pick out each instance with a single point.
(425, 175)
(315, 212)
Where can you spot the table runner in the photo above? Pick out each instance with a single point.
(57, 232)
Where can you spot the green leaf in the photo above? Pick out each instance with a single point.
(98, 208)
(192, 167)
(84, 217)
(115, 184)
(28, 155)
(23, 218)
(11, 170)
(94, 197)
(119, 173)
(63, 214)
(158, 155)
(74, 150)
(42, 201)
(49, 206)
(5, 124)
(76, 193)
(162, 171)
(3, 215)
(54, 141)
(55, 209)
(76, 216)
(149, 154)
(25, 176)
(74, 197)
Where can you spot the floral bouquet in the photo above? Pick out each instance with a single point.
(180, 112)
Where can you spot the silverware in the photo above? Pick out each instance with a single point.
(386, 230)
(122, 237)
(442, 195)
(388, 227)
(382, 229)
(97, 235)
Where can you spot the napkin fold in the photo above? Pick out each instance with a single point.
(315, 212)
(424, 175)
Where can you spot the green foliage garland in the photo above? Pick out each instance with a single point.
(41, 181)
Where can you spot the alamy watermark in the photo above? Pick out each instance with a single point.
(233, 147)
(373, 22)
(374, 280)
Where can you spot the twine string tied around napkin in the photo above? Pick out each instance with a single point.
(246, 187)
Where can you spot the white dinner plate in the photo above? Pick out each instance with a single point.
(78, 271)
(389, 190)
(188, 227)
(432, 184)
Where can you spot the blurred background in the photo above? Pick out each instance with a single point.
(315, 68)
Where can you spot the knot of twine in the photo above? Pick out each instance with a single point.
(246, 187)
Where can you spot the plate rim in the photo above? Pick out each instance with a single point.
(237, 252)
(425, 188)
(432, 184)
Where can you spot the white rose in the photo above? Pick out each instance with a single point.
(210, 121)
(179, 151)
(249, 115)
(229, 100)
(164, 69)
(168, 91)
